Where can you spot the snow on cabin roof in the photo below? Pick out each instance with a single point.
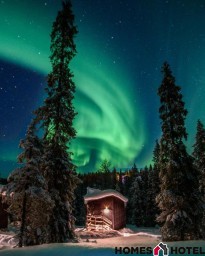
(93, 194)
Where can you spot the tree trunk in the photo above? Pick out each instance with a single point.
(23, 218)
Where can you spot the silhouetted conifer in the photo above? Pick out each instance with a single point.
(199, 163)
(56, 118)
(178, 200)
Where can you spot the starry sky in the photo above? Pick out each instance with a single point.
(121, 46)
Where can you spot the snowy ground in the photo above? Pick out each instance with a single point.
(129, 236)
(96, 244)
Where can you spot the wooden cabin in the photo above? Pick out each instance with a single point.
(3, 212)
(106, 209)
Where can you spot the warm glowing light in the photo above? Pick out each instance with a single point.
(106, 210)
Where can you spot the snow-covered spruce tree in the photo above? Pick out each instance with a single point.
(56, 119)
(144, 174)
(127, 183)
(199, 162)
(179, 199)
(153, 188)
(79, 206)
(129, 179)
(137, 212)
(155, 174)
(150, 204)
(156, 167)
(26, 193)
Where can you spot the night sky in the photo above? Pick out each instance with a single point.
(121, 47)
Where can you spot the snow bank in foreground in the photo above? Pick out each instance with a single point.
(57, 250)
(125, 232)
(7, 240)
(93, 246)
(76, 250)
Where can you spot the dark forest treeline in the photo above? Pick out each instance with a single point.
(139, 186)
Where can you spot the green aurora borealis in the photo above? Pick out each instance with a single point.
(116, 70)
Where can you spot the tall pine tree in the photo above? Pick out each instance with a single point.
(199, 162)
(199, 155)
(137, 213)
(56, 118)
(155, 174)
(153, 188)
(178, 199)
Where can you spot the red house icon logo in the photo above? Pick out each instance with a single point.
(160, 247)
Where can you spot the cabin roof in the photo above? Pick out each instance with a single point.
(94, 194)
